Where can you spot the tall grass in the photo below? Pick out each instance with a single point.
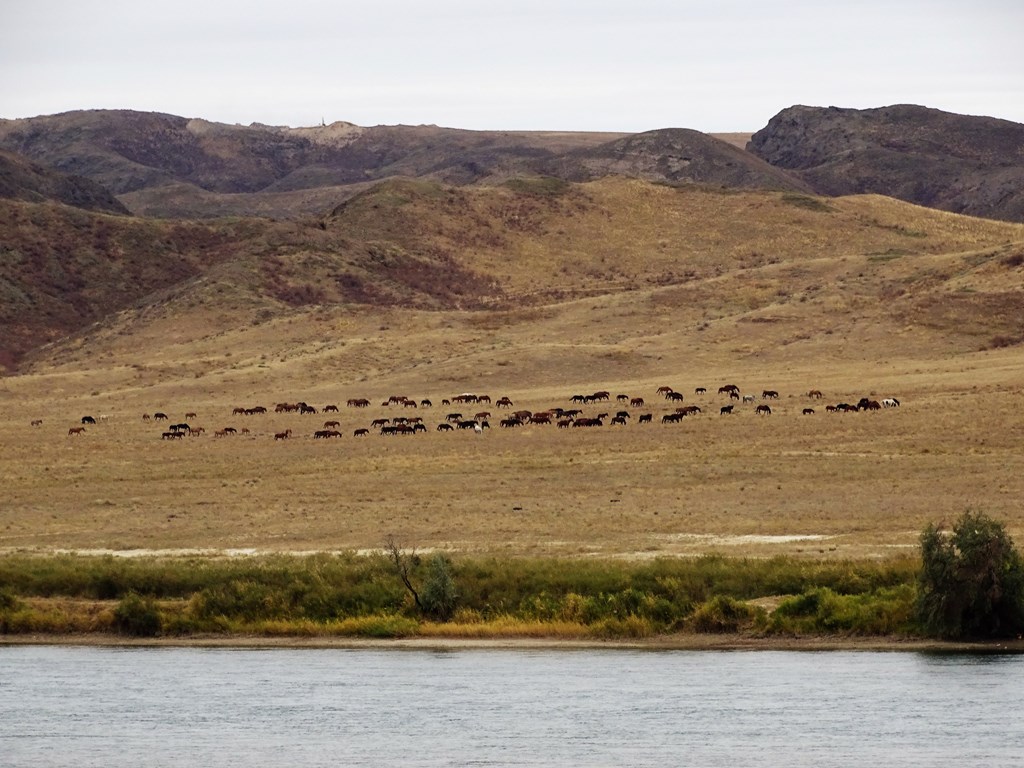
(362, 596)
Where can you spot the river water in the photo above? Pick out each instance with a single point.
(81, 707)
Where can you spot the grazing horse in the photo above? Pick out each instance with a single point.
(444, 427)
(645, 418)
(725, 410)
(621, 398)
(636, 402)
(361, 432)
(764, 410)
(815, 393)
(769, 394)
(159, 416)
(37, 422)
(331, 424)
(748, 398)
(328, 408)
(808, 411)
(88, 420)
(728, 389)
(503, 402)
(890, 402)
(672, 418)
(191, 415)
(700, 391)
(664, 390)
(76, 431)
(676, 397)
(283, 435)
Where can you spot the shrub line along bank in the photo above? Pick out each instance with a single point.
(969, 585)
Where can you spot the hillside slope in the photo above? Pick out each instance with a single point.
(607, 265)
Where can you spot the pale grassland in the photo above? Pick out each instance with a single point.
(827, 485)
(623, 287)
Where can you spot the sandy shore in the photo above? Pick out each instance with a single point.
(680, 642)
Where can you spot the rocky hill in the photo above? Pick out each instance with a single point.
(959, 163)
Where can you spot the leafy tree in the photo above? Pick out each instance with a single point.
(971, 583)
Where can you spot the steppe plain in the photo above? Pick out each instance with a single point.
(856, 297)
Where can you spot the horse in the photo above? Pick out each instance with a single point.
(88, 420)
(769, 394)
(503, 402)
(672, 418)
(330, 408)
(815, 393)
(361, 432)
(700, 391)
(619, 420)
(748, 398)
(331, 424)
(283, 435)
(664, 390)
(37, 422)
(444, 427)
(676, 397)
(808, 411)
(621, 398)
(191, 415)
(636, 402)
(645, 418)
(764, 410)
(890, 402)
(725, 409)
(159, 416)
(76, 431)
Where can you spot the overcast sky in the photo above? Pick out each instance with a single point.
(593, 65)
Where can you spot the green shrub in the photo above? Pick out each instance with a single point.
(971, 583)
(438, 596)
(137, 616)
(721, 614)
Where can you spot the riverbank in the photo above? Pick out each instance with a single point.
(674, 642)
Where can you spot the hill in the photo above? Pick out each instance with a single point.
(21, 179)
(168, 166)
(717, 262)
(965, 164)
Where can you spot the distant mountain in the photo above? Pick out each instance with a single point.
(169, 166)
(959, 163)
(22, 179)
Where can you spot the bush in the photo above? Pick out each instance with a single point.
(439, 597)
(137, 616)
(721, 614)
(971, 583)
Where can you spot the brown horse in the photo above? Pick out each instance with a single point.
(283, 435)
(76, 430)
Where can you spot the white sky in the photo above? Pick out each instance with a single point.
(589, 65)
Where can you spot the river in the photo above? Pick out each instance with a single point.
(83, 707)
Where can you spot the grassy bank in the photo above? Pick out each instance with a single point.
(357, 596)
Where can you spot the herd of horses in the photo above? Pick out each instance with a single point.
(510, 418)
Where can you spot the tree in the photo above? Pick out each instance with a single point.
(971, 583)
(438, 598)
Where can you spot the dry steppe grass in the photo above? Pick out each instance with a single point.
(615, 286)
(824, 485)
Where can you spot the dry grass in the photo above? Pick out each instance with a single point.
(614, 285)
